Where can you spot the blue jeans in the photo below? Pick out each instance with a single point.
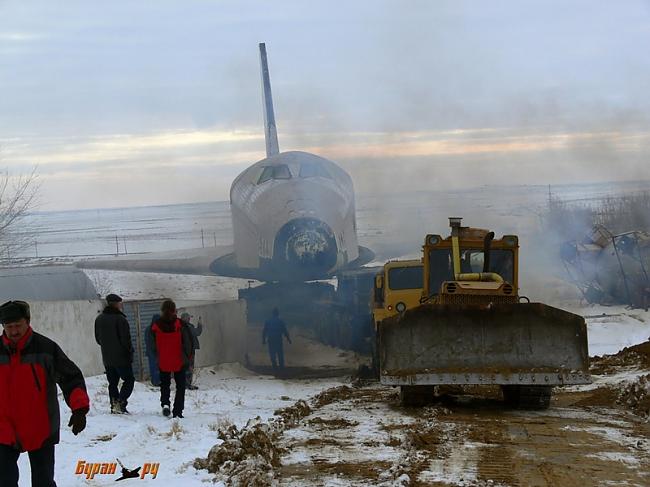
(154, 371)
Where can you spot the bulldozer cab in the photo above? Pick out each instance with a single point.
(470, 267)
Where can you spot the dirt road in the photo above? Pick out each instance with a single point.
(591, 435)
(467, 438)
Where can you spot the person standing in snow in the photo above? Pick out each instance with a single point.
(172, 342)
(196, 332)
(154, 372)
(31, 366)
(274, 330)
(113, 335)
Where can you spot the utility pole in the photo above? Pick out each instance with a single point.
(36, 247)
(117, 245)
(202, 240)
(215, 238)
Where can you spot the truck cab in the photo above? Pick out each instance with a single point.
(398, 287)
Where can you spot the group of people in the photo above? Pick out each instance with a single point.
(171, 344)
(32, 365)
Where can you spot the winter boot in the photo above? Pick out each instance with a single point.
(178, 415)
(116, 406)
(165, 410)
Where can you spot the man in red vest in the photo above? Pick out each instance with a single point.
(172, 342)
(31, 366)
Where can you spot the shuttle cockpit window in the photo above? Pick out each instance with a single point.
(311, 170)
(274, 172)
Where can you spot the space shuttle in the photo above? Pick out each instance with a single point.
(293, 219)
(293, 213)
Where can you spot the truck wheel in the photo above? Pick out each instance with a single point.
(527, 397)
(416, 396)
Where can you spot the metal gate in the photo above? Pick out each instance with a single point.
(139, 314)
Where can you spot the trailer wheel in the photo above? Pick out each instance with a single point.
(527, 397)
(416, 396)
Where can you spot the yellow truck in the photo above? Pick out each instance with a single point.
(398, 287)
(472, 327)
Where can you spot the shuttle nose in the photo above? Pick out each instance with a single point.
(307, 245)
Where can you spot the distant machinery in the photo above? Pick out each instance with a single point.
(610, 269)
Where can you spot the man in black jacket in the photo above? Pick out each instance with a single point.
(31, 366)
(113, 335)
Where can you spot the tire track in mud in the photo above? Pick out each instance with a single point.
(365, 438)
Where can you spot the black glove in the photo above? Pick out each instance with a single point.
(78, 420)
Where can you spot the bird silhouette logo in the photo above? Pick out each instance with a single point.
(126, 473)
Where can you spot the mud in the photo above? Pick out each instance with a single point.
(331, 395)
(292, 414)
(338, 423)
(467, 439)
(636, 396)
(637, 356)
(246, 457)
(362, 436)
(369, 471)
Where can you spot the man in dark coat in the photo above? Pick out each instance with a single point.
(31, 366)
(113, 335)
(274, 330)
(172, 342)
(196, 333)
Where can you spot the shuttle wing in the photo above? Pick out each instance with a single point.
(193, 261)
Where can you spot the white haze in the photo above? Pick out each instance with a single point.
(123, 103)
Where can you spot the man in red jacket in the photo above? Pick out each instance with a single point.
(31, 365)
(172, 342)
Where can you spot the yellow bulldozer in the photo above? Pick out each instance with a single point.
(471, 326)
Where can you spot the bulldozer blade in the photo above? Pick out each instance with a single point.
(518, 344)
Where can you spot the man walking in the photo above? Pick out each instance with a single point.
(196, 333)
(173, 345)
(30, 367)
(113, 335)
(274, 330)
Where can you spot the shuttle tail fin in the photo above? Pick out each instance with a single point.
(270, 130)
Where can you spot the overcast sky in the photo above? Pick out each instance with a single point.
(130, 103)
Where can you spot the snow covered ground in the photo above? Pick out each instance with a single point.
(228, 394)
(612, 328)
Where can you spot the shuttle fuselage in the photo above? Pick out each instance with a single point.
(293, 213)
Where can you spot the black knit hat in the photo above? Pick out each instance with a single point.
(113, 298)
(13, 311)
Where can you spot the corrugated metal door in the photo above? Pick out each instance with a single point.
(139, 314)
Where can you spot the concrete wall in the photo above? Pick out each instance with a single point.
(224, 332)
(72, 325)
